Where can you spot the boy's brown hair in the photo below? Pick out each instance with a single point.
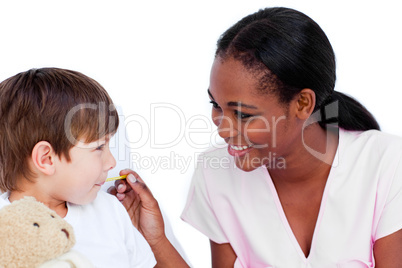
(49, 104)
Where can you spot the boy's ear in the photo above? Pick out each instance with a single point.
(43, 157)
(305, 103)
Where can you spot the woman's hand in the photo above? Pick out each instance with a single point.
(141, 206)
(146, 216)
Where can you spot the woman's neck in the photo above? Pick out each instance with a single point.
(312, 159)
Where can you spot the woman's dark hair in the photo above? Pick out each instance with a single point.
(295, 54)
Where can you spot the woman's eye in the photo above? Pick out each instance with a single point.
(241, 115)
(214, 104)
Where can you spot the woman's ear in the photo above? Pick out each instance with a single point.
(305, 103)
(43, 157)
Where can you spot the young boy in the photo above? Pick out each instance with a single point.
(55, 127)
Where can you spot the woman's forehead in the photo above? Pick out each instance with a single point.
(231, 74)
(230, 78)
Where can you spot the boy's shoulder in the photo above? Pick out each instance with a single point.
(4, 200)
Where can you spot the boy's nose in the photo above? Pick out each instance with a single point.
(110, 162)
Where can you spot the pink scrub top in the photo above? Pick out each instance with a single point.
(362, 202)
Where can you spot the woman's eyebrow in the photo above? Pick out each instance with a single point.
(240, 104)
(235, 103)
(209, 93)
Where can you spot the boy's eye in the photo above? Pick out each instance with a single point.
(241, 115)
(214, 104)
(100, 147)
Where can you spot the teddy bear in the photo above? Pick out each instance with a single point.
(32, 235)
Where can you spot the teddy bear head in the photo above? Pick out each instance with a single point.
(31, 234)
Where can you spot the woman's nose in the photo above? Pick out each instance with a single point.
(226, 127)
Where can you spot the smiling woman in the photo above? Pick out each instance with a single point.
(273, 100)
(252, 131)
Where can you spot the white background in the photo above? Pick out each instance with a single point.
(150, 54)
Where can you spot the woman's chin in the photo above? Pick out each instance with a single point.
(245, 165)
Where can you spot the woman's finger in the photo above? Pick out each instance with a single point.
(138, 185)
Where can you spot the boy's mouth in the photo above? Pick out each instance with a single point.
(100, 184)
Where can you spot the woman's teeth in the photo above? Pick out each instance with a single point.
(239, 148)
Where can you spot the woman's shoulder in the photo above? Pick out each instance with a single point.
(376, 140)
(370, 149)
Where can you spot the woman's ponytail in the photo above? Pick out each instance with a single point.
(352, 115)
